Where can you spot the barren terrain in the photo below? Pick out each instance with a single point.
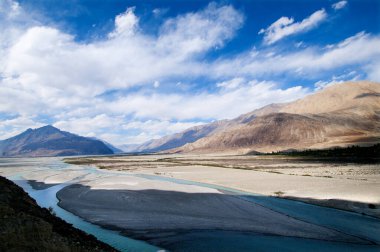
(354, 187)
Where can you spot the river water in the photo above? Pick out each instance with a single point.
(357, 225)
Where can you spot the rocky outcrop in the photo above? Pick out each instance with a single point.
(25, 226)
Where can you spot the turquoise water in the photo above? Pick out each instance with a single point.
(222, 241)
(347, 222)
(365, 227)
(47, 198)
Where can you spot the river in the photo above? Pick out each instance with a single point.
(357, 225)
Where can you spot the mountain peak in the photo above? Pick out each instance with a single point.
(47, 129)
(50, 127)
(51, 141)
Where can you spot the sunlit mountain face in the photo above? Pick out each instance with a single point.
(130, 71)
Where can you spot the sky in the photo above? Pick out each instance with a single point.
(130, 71)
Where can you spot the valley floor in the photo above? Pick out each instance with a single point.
(348, 186)
(208, 202)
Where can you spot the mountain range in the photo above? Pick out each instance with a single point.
(339, 115)
(50, 141)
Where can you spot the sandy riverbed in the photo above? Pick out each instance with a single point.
(149, 208)
(354, 187)
(134, 204)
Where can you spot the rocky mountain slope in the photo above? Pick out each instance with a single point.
(50, 141)
(194, 133)
(25, 226)
(339, 115)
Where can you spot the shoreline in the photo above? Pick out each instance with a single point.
(119, 198)
(95, 199)
(341, 205)
(21, 216)
(349, 187)
(338, 204)
(173, 237)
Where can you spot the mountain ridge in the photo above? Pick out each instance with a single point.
(339, 115)
(50, 141)
(333, 105)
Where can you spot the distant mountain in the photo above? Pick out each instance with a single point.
(176, 140)
(339, 115)
(109, 145)
(50, 141)
(129, 148)
(197, 132)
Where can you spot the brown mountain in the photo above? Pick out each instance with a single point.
(195, 133)
(339, 115)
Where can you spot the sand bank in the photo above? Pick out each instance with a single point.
(136, 204)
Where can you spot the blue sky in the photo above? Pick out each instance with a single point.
(129, 71)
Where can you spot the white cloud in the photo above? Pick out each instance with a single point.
(227, 103)
(339, 5)
(349, 76)
(198, 32)
(45, 71)
(153, 129)
(14, 126)
(46, 56)
(156, 84)
(231, 84)
(115, 129)
(374, 71)
(125, 23)
(286, 26)
(158, 12)
(361, 49)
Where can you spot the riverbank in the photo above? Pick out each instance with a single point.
(134, 204)
(346, 186)
(183, 215)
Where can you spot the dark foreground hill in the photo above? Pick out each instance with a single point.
(50, 141)
(25, 226)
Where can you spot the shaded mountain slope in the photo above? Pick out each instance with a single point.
(25, 226)
(50, 141)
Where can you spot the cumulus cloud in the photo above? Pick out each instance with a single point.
(360, 49)
(46, 72)
(226, 103)
(155, 115)
(13, 126)
(200, 31)
(49, 57)
(339, 5)
(286, 26)
(125, 23)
